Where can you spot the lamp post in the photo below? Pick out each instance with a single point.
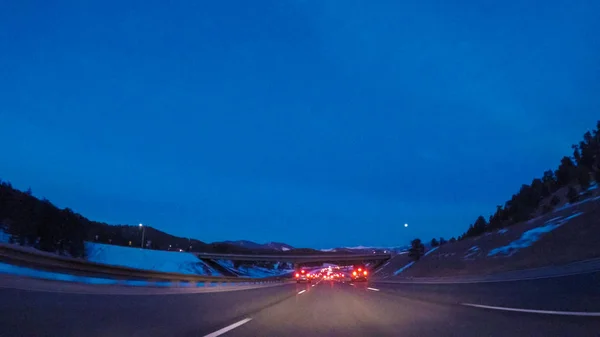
(143, 232)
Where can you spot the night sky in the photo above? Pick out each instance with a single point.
(316, 123)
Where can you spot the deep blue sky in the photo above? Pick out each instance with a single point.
(317, 123)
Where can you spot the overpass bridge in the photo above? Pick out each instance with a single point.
(297, 258)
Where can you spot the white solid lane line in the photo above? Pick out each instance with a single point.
(301, 291)
(373, 289)
(228, 328)
(532, 311)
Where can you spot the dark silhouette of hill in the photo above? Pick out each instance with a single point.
(38, 223)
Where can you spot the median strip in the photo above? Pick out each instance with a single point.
(532, 311)
(228, 328)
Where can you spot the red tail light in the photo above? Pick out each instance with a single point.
(354, 273)
(359, 269)
(365, 272)
(297, 275)
(303, 272)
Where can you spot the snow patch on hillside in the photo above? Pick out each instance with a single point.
(569, 205)
(147, 259)
(529, 237)
(404, 268)
(431, 251)
(472, 252)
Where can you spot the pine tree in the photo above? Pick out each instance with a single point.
(576, 154)
(478, 228)
(416, 250)
(549, 181)
(583, 177)
(566, 172)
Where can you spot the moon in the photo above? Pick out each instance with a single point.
(405, 225)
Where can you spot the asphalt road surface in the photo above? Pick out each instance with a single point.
(325, 309)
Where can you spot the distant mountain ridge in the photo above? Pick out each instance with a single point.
(366, 249)
(279, 246)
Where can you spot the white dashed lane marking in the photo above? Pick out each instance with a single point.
(228, 328)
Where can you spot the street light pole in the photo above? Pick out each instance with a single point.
(143, 232)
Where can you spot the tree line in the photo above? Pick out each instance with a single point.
(575, 173)
(38, 223)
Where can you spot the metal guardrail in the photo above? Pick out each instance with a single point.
(28, 257)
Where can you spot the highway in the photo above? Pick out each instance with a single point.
(325, 309)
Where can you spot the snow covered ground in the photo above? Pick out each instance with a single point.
(255, 271)
(408, 265)
(531, 236)
(329, 250)
(473, 251)
(147, 259)
(569, 205)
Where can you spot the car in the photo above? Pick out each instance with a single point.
(359, 273)
(302, 276)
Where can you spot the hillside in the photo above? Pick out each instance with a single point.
(568, 234)
(148, 259)
(27, 220)
(570, 182)
(553, 220)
